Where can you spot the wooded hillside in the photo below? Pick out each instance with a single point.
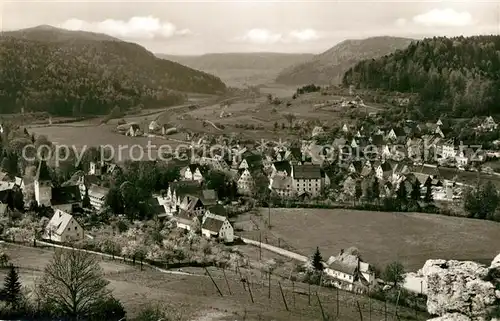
(458, 76)
(80, 76)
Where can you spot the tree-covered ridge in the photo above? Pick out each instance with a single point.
(329, 67)
(459, 76)
(91, 77)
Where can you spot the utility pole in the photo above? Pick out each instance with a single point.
(338, 307)
(269, 287)
(260, 246)
(269, 213)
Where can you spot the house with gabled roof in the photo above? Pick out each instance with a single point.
(245, 181)
(282, 186)
(355, 167)
(434, 130)
(251, 161)
(384, 171)
(396, 133)
(217, 226)
(63, 228)
(488, 124)
(187, 221)
(309, 179)
(193, 172)
(282, 168)
(66, 198)
(348, 271)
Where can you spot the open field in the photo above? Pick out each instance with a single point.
(80, 136)
(381, 237)
(256, 112)
(195, 297)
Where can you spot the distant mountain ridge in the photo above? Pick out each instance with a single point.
(238, 68)
(330, 66)
(74, 72)
(53, 34)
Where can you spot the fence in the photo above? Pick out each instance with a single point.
(269, 294)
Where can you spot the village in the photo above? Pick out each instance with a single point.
(414, 164)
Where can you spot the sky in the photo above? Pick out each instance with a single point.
(195, 27)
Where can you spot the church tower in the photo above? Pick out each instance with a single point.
(43, 185)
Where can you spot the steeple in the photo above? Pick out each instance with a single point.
(42, 173)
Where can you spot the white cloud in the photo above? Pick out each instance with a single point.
(444, 18)
(135, 28)
(304, 35)
(266, 37)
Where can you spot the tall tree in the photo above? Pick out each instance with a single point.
(376, 188)
(402, 193)
(12, 288)
(73, 284)
(358, 191)
(415, 191)
(394, 273)
(317, 260)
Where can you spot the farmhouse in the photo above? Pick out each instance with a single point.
(97, 196)
(349, 272)
(63, 228)
(187, 221)
(217, 226)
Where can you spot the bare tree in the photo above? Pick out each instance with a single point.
(73, 284)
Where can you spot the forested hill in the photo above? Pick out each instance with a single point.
(329, 67)
(81, 76)
(458, 76)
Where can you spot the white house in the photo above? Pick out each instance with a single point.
(63, 228)
(217, 226)
(309, 179)
(97, 196)
(192, 173)
(347, 269)
(245, 182)
(448, 150)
